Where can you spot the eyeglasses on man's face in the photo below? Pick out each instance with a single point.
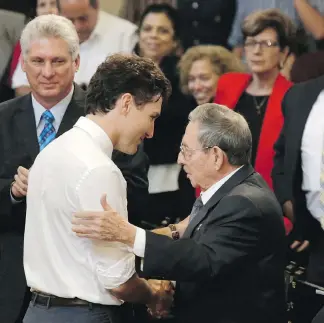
(187, 152)
(263, 44)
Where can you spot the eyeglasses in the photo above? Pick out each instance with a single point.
(188, 152)
(264, 44)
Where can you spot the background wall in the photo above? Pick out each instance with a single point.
(113, 6)
(130, 9)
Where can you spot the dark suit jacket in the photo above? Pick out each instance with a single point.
(229, 265)
(287, 173)
(19, 147)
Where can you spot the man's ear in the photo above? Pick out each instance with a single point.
(125, 103)
(77, 63)
(219, 157)
(22, 62)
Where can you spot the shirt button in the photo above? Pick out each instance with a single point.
(195, 5)
(218, 18)
(195, 23)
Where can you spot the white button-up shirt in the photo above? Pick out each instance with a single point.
(311, 155)
(111, 35)
(70, 175)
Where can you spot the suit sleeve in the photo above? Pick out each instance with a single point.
(230, 235)
(5, 178)
(281, 185)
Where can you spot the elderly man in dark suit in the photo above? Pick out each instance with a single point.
(298, 173)
(27, 125)
(229, 262)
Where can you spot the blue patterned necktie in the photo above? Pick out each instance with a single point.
(196, 208)
(48, 133)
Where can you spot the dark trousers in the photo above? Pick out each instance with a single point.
(12, 277)
(78, 314)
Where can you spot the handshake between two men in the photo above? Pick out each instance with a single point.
(163, 294)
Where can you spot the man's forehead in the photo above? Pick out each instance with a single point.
(190, 134)
(49, 46)
(74, 7)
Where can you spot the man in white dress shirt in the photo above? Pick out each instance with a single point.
(82, 279)
(101, 34)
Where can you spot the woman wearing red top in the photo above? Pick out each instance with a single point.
(268, 38)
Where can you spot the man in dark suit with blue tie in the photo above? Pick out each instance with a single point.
(27, 125)
(229, 261)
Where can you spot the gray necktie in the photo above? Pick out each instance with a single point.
(196, 208)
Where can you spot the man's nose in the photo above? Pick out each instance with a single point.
(48, 70)
(150, 133)
(180, 159)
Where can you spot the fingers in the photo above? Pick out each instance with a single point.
(303, 246)
(22, 171)
(299, 246)
(104, 203)
(20, 186)
(81, 216)
(295, 244)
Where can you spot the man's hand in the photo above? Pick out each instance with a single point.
(20, 184)
(299, 246)
(163, 298)
(104, 225)
(288, 211)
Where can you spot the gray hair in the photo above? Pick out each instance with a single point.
(48, 26)
(222, 127)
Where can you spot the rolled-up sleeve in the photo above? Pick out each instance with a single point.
(112, 262)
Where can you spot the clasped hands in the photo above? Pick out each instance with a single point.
(163, 298)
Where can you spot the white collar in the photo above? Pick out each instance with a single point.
(57, 110)
(206, 196)
(96, 133)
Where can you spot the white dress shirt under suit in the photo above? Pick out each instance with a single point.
(311, 155)
(70, 175)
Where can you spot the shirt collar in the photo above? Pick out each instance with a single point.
(97, 134)
(206, 196)
(57, 110)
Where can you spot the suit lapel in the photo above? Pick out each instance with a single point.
(73, 112)
(26, 127)
(232, 182)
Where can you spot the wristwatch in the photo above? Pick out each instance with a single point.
(174, 232)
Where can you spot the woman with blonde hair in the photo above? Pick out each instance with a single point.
(200, 68)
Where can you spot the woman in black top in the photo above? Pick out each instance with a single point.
(159, 34)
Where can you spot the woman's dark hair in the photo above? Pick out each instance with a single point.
(121, 74)
(259, 20)
(169, 11)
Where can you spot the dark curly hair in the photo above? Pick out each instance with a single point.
(121, 74)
